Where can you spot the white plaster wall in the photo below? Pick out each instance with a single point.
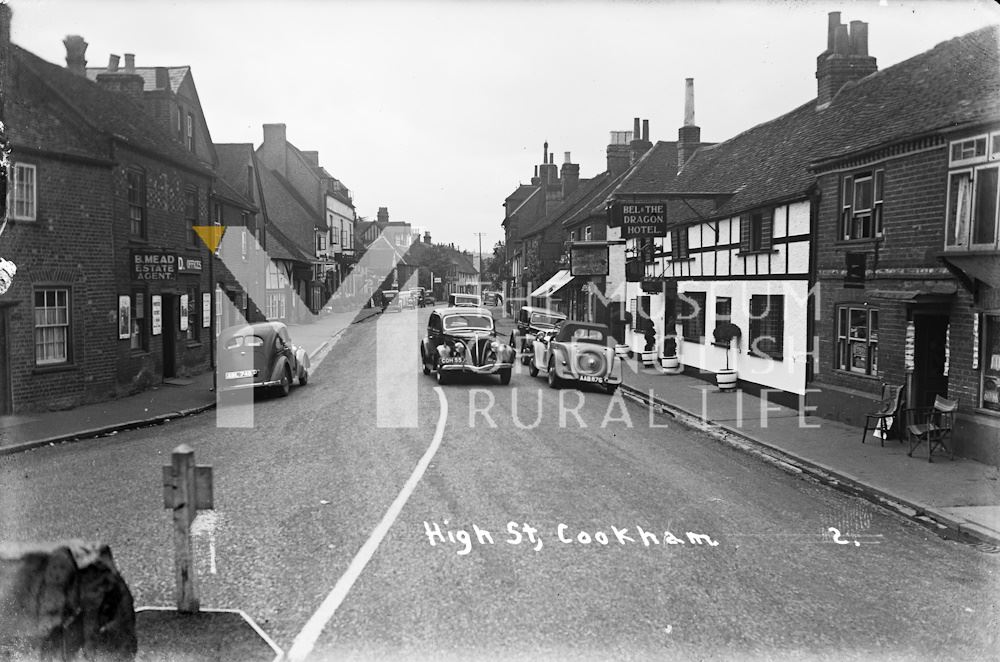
(788, 374)
(798, 218)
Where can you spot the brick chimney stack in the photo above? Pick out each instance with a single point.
(383, 215)
(689, 135)
(569, 175)
(548, 172)
(274, 150)
(619, 152)
(76, 51)
(640, 140)
(427, 236)
(845, 60)
(125, 81)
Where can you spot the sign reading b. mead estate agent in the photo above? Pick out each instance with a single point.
(153, 265)
(641, 219)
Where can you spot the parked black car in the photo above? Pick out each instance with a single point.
(463, 339)
(260, 356)
(530, 322)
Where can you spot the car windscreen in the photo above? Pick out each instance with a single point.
(540, 319)
(453, 322)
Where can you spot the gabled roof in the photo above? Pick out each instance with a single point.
(113, 114)
(595, 204)
(280, 247)
(954, 84)
(222, 189)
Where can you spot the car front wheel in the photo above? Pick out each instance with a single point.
(532, 368)
(554, 381)
(304, 377)
(442, 376)
(423, 361)
(505, 376)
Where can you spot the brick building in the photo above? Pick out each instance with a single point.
(907, 254)
(112, 292)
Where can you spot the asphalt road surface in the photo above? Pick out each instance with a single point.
(375, 515)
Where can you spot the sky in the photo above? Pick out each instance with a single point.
(438, 110)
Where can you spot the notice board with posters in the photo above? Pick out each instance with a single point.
(589, 260)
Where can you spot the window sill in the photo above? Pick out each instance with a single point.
(762, 251)
(863, 241)
(194, 344)
(138, 240)
(982, 411)
(858, 375)
(49, 369)
(139, 353)
(24, 219)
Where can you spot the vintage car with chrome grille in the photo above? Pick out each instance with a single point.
(463, 339)
(260, 356)
(576, 352)
(531, 321)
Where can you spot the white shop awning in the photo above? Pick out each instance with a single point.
(554, 284)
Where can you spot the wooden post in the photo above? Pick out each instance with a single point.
(185, 494)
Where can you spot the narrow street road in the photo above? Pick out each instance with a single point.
(547, 525)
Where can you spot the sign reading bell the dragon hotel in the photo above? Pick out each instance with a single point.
(640, 219)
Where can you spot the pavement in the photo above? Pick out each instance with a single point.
(957, 498)
(174, 398)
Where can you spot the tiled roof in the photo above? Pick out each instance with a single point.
(284, 210)
(596, 203)
(111, 113)
(222, 189)
(148, 74)
(658, 166)
(280, 247)
(955, 83)
(583, 192)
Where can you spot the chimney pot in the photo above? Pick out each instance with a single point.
(113, 63)
(635, 130)
(545, 152)
(130, 63)
(833, 22)
(645, 131)
(689, 102)
(566, 158)
(859, 38)
(841, 40)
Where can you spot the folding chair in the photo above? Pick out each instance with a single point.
(882, 418)
(932, 425)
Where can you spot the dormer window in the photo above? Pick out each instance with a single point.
(861, 213)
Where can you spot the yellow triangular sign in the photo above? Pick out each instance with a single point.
(211, 235)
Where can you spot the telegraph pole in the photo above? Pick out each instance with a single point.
(479, 277)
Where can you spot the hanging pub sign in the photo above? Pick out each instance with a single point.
(634, 271)
(589, 260)
(639, 219)
(153, 265)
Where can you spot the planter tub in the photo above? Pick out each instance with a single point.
(726, 380)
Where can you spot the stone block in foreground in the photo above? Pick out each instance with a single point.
(64, 600)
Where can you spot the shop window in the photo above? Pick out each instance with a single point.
(692, 316)
(861, 213)
(857, 340)
(52, 326)
(22, 194)
(991, 363)
(139, 336)
(767, 326)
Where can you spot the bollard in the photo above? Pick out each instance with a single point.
(187, 488)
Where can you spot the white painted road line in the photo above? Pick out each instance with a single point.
(306, 639)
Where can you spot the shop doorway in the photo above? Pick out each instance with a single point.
(929, 341)
(169, 336)
(5, 394)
